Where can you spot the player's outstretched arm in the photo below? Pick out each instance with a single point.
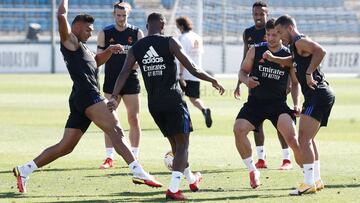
(177, 50)
(285, 61)
(121, 79)
(66, 37)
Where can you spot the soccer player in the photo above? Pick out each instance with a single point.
(193, 46)
(155, 55)
(126, 35)
(251, 36)
(318, 97)
(86, 104)
(267, 82)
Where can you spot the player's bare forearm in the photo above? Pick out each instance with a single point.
(64, 27)
(238, 81)
(285, 61)
(179, 53)
(243, 76)
(63, 7)
(102, 57)
(295, 93)
(316, 59)
(199, 73)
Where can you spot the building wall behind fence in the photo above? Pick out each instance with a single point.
(36, 58)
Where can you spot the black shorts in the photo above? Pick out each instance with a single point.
(78, 104)
(192, 89)
(318, 104)
(173, 121)
(132, 85)
(256, 112)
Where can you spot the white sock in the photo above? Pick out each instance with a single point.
(309, 174)
(138, 170)
(27, 169)
(317, 170)
(110, 152)
(175, 181)
(135, 151)
(286, 153)
(250, 164)
(189, 175)
(260, 152)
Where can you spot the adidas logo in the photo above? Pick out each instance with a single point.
(151, 56)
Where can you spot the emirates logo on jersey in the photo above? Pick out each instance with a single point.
(130, 40)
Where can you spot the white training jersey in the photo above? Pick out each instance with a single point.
(193, 46)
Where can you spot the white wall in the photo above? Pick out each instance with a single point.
(36, 58)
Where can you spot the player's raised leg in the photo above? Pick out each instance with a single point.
(108, 122)
(70, 139)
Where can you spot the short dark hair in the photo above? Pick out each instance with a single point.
(86, 18)
(122, 5)
(270, 24)
(285, 20)
(156, 17)
(185, 22)
(259, 4)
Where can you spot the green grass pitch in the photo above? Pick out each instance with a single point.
(34, 108)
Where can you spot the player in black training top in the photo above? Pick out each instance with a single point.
(126, 35)
(267, 82)
(155, 55)
(251, 36)
(86, 104)
(318, 97)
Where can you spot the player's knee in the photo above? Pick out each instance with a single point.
(119, 131)
(239, 130)
(292, 142)
(304, 141)
(133, 119)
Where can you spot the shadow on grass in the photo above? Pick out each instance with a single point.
(342, 186)
(61, 169)
(160, 173)
(141, 198)
(11, 195)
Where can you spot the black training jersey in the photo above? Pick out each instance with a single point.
(158, 69)
(82, 67)
(126, 38)
(272, 76)
(254, 36)
(301, 64)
